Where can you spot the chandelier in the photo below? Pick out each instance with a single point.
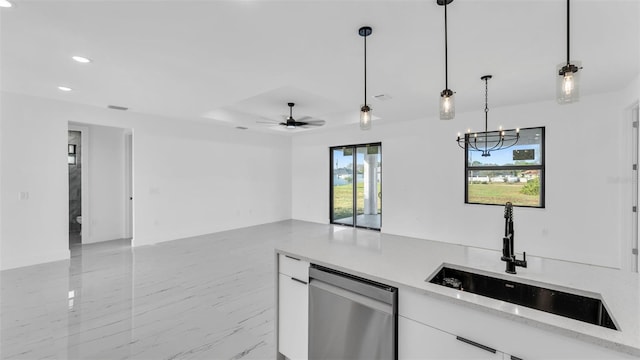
(486, 142)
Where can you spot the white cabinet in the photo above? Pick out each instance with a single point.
(293, 305)
(419, 341)
(507, 336)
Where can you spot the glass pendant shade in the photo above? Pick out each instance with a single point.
(568, 82)
(365, 117)
(447, 105)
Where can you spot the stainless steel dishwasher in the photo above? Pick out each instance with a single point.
(351, 317)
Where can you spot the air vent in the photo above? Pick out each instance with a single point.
(382, 97)
(115, 107)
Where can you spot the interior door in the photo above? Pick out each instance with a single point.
(128, 143)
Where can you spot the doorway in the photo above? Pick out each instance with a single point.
(75, 160)
(100, 183)
(356, 185)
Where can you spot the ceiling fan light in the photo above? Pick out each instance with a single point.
(568, 83)
(365, 117)
(447, 105)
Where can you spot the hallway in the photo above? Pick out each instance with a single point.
(207, 297)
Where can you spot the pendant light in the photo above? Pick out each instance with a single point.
(486, 142)
(447, 100)
(568, 78)
(365, 110)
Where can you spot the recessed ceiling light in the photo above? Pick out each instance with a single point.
(64, 88)
(5, 4)
(80, 59)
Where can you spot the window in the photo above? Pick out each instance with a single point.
(356, 185)
(515, 174)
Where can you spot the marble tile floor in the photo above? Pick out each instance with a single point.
(207, 297)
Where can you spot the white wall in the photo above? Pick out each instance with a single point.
(587, 180)
(34, 229)
(190, 178)
(106, 193)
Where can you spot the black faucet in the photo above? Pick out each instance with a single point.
(508, 254)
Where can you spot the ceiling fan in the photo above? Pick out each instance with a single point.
(303, 122)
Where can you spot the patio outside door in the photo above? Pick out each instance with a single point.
(356, 185)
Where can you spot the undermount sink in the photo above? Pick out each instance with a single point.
(570, 305)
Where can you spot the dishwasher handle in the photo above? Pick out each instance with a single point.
(371, 289)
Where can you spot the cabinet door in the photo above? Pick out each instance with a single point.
(293, 315)
(419, 341)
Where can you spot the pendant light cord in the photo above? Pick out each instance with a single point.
(446, 53)
(568, 60)
(365, 70)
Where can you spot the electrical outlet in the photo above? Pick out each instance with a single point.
(23, 195)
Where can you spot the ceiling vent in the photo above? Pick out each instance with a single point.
(115, 107)
(382, 97)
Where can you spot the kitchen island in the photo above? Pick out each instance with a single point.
(507, 329)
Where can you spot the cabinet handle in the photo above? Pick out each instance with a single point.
(300, 281)
(291, 257)
(483, 347)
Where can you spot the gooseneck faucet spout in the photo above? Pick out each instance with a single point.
(508, 253)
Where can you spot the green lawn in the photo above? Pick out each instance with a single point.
(497, 193)
(494, 193)
(343, 200)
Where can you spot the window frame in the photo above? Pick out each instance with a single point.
(540, 167)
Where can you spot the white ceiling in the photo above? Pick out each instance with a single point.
(238, 62)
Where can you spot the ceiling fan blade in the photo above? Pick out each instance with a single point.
(304, 119)
(315, 122)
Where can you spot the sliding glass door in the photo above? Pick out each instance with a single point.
(356, 185)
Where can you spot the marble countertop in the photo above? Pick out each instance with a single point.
(406, 262)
